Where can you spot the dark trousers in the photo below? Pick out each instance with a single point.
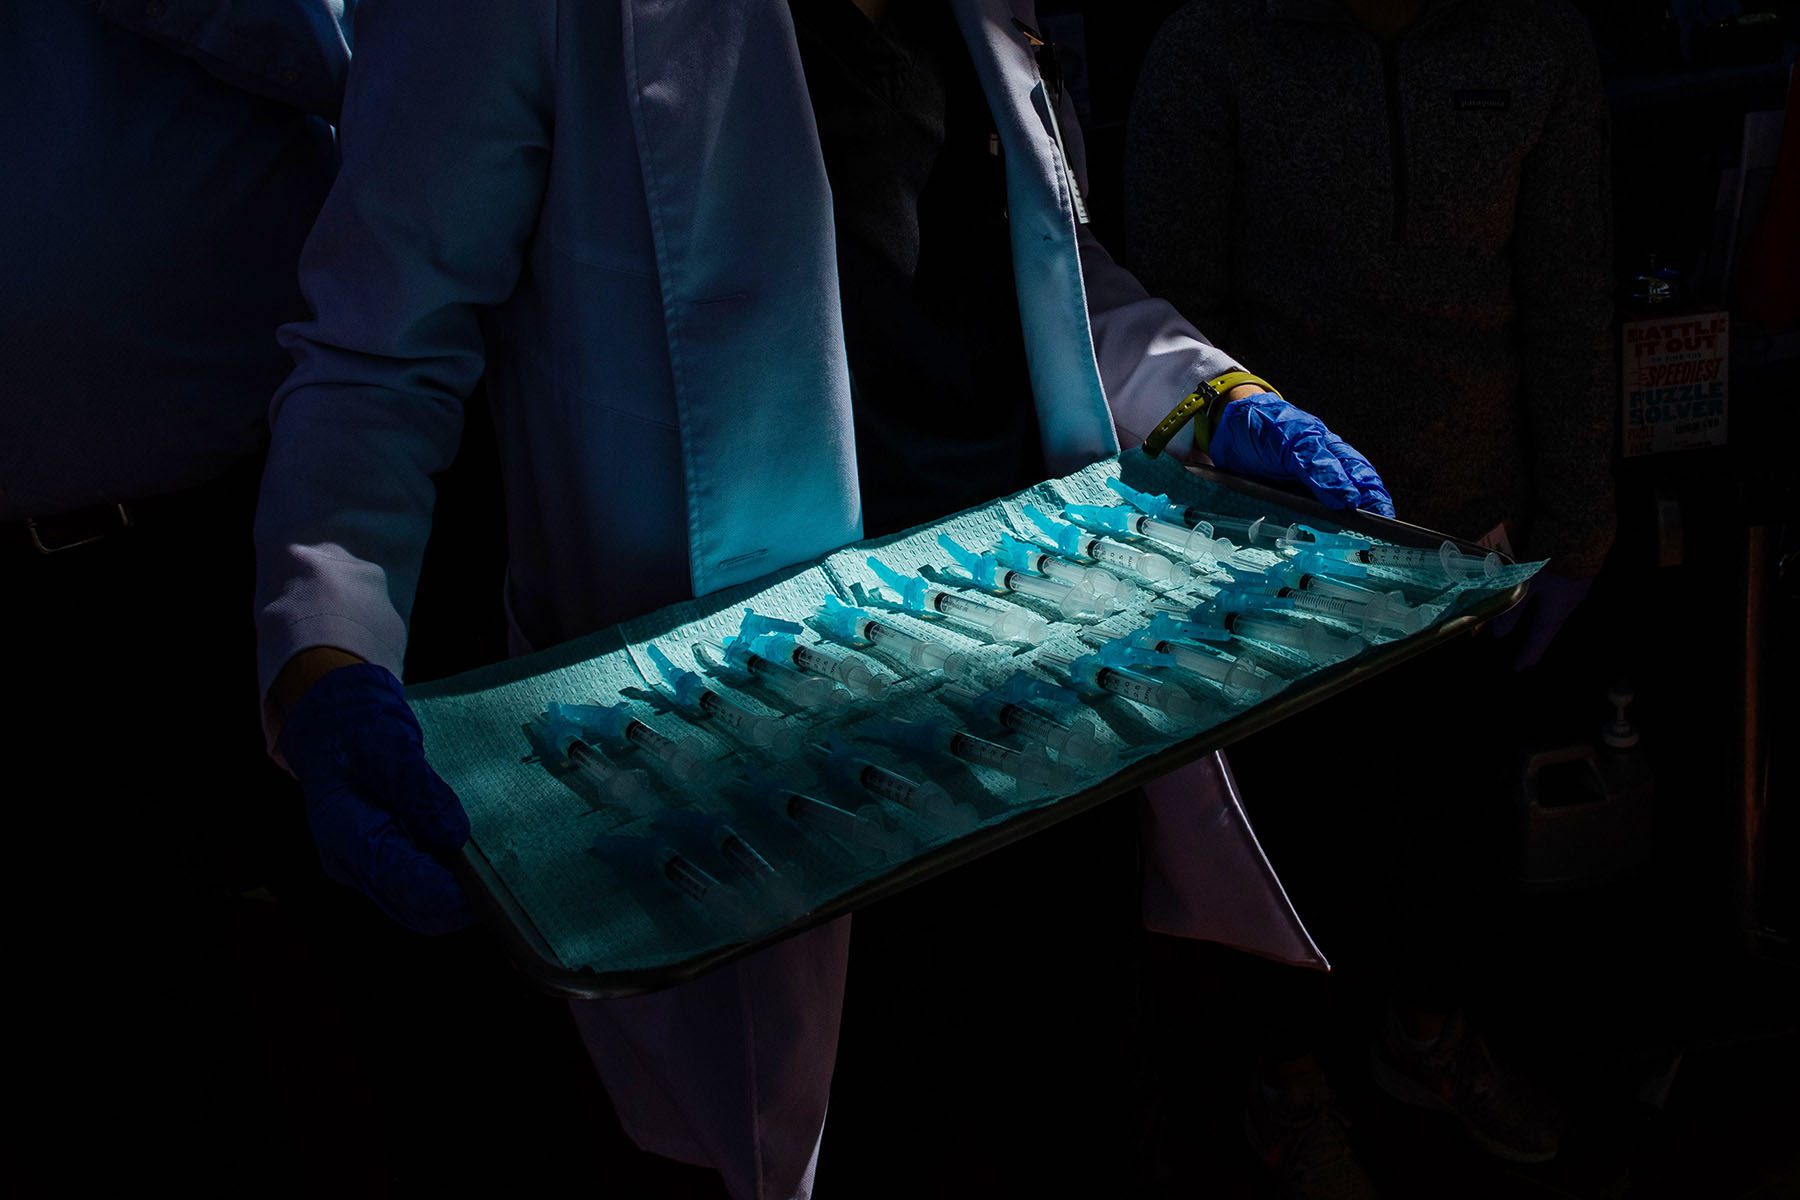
(139, 798)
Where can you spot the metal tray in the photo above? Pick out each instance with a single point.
(534, 957)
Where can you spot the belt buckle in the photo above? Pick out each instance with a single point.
(54, 545)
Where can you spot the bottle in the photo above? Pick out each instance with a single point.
(1586, 808)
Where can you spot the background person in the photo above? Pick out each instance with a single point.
(1400, 207)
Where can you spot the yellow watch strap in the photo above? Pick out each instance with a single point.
(1200, 407)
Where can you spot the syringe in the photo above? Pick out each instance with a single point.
(1007, 706)
(1002, 624)
(742, 666)
(614, 725)
(1074, 540)
(926, 799)
(1235, 613)
(854, 624)
(780, 642)
(652, 860)
(1242, 682)
(762, 731)
(1189, 543)
(1447, 560)
(1245, 530)
(1370, 611)
(1109, 591)
(863, 831)
(711, 833)
(558, 742)
(986, 571)
(1110, 670)
(1307, 571)
(924, 739)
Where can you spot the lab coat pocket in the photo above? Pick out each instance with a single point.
(607, 338)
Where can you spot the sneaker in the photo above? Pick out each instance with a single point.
(1303, 1142)
(1456, 1074)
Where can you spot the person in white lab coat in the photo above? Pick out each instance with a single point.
(748, 280)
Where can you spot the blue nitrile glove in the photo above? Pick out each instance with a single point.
(1550, 600)
(379, 813)
(1265, 437)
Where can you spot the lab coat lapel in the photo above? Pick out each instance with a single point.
(1073, 419)
(741, 215)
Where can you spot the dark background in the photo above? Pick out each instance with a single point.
(374, 1062)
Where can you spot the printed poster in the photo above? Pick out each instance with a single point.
(1674, 374)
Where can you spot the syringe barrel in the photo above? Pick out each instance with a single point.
(917, 652)
(681, 761)
(1154, 567)
(1074, 743)
(1020, 719)
(1007, 760)
(1410, 557)
(1445, 559)
(1070, 600)
(985, 753)
(1373, 613)
(1005, 624)
(1151, 694)
(927, 799)
(628, 789)
(1241, 682)
(1315, 643)
(742, 855)
(1062, 569)
(851, 672)
(688, 877)
(1354, 612)
(807, 691)
(818, 815)
(1325, 585)
(1033, 585)
(1190, 543)
(886, 785)
(1206, 666)
(861, 830)
(763, 732)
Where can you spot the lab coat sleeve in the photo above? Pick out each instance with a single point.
(1150, 356)
(296, 52)
(1562, 262)
(446, 136)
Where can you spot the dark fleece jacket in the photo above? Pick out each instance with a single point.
(1410, 240)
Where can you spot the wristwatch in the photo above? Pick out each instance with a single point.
(1202, 408)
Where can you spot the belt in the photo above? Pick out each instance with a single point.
(45, 537)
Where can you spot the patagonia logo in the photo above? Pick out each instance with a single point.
(1483, 100)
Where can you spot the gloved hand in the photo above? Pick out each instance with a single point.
(1265, 437)
(1549, 601)
(378, 812)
